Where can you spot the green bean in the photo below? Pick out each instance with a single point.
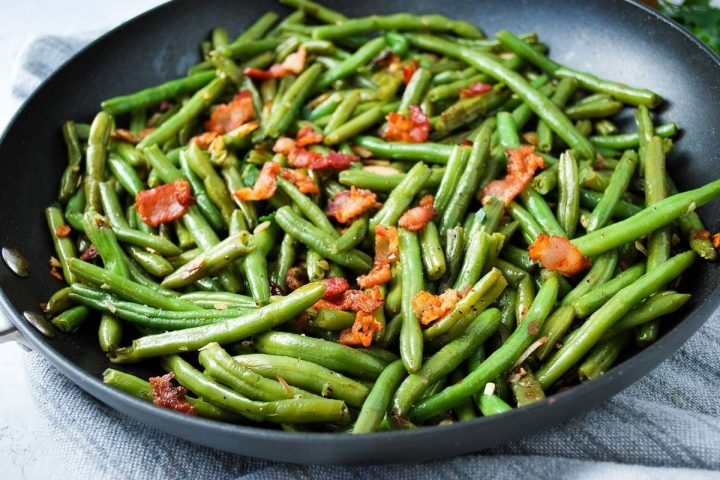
(651, 218)
(285, 260)
(201, 100)
(321, 12)
(528, 225)
(445, 360)
(432, 253)
(64, 246)
(125, 174)
(624, 93)
(491, 404)
(497, 362)
(157, 94)
(211, 260)
(554, 329)
(546, 181)
(658, 305)
(602, 357)
(227, 331)
(625, 141)
(568, 208)
(103, 239)
(476, 256)
(141, 389)
(425, 152)
(71, 175)
(595, 298)
(411, 335)
(213, 299)
(69, 321)
(95, 159)
(415, 89)
(319, 240)
(402, 196)
(279, 411)
(518, 257)
(623, 209)
(333, 320)
(604, 318)
(334, 356)
(74, 208)
(218, 218)
(454, 251)
(382, 182)
(467, 110)
(254, 264)
(467, 308)
(400, 22)
(251, 49)
(541, 212)
(599, 109)
(565, 90)
(326, 107)
(541, 105)
(525, 387)
(129, 154)
(343, 112)
(356, 125)
(510, 272)
(602, 270)
(691, 225)
(313, 264)
(308, 208)
(619, 182)
(353, 236)
(58, 302)
(289, 106)
(377, 402)
(507, 131)
(350, 65)
(452, 89)
(525, 298)
(453, 172)
(225, 369)
(468, 182)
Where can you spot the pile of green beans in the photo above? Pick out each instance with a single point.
(225, 295)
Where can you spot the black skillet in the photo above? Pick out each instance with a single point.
(617, 39)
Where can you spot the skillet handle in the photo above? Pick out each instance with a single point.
(8, 332)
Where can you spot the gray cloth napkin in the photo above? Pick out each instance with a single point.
(665, 426)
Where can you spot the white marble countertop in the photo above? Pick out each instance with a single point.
(24, 451)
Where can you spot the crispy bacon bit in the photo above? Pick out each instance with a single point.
(295, 278)
(716, 240)
(408, 70)
(307, 136)
(123, 135)
(229, 116)
(386, 58)
(165, 203)
(429, 307)
(57, 273)
(265, 185)
(334, 286)
(355, 300)
(466, 143)
(701, 234)
(523, 162)
(301, 158)
(166, 394)
(293, 63)
(349, 204)
(204, 140)
(362, 331)
(284, 145)
(386, 252)
(475, 89)
(62, 231)
(89, 254)
(558, 254)
(417, 217)
(303, 182)
(414, 128)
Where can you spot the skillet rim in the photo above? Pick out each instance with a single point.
(613, 381)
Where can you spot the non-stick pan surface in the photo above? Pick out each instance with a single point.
(617, 39)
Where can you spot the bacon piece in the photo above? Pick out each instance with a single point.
(204, 140)
(361, 332)
(166, 394)
(349, 204)
(303, 182)
(355, 300)
(56, 272)
(386, 58)
(414, 128)
(62, 231)
(522, 164)
(295, 278)
(229, 116)
(716, 240)
(408, 70)
(429, 307)
(417, 217)
(335, 286)
(301, 158)
(265, 185)
(307, 136)
(165, 203)
(89, 254)
(701, 234)
(293, 63)
(475, 89)
(558, 254)
(284, 145)
(127, 136)
(386, 252)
